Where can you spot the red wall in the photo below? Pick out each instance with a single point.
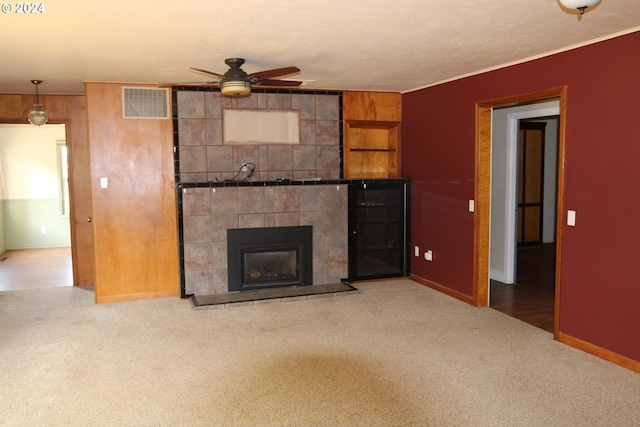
(600, 276)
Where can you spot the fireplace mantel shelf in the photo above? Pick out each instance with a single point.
(213, 184)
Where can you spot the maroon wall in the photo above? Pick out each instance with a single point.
(600, 276)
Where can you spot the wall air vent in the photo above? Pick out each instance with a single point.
(145, 103)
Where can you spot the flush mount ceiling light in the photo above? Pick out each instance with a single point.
(37, 116)
(580, 5)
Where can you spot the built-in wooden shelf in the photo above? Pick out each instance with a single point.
(372, 134)
(371, 149)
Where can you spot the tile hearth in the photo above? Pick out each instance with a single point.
(263, 296)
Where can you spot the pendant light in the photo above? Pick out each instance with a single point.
(37, 116)
(580, 5)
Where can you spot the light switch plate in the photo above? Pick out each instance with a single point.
(104, 182)
(472, 205)
(571, 218)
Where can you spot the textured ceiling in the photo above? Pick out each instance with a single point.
(390, 45)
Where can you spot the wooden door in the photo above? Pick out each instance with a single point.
(530, 182)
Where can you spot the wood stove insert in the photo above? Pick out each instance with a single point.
(269, 257)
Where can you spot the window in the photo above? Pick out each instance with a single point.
(63, 177)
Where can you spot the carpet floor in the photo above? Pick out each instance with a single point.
(393, 354)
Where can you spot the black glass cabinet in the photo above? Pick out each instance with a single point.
(379, 229)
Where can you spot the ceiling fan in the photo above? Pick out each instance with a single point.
(237, 83)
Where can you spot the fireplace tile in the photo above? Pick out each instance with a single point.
(328, 220)
(246, 153)
(251, 200)
(194, 177)
(286, 219)
(328, 157)
(213, 131)
(282, 199)
(249, 102)
(219, 280)
(337, 225)
(279, 101)
(192, 132)
(306, 104)
(219, 256)
(319, 221)
(304, 158)
(214, 103)
(196, 201)
(269, 220)
(280, 158)
(193, 158)
(198, 109)
(220, 224)
(327, 133)
(334, 270)
(275, 175)
(312, 198)
(329, 175)
(250, 220)
(305, 175)
(198, 282)
(327, 107)
(191, 104)
(308, 132)
(219, 159)
(319, 273)
(197, 256)
(197, 229)
(225, 201)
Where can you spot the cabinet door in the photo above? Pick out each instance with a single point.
(378, 232)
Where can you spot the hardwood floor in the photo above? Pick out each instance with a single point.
(35, 269)
(531, 299)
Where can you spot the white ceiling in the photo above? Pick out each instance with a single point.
(377, 45)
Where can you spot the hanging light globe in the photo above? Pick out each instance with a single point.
(37, 116)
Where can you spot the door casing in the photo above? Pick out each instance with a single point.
(482, 218)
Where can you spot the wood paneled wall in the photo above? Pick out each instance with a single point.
(70, 110)
(134, 218)
(372, 106)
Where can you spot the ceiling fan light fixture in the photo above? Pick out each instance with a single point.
(37, 116)
(580, 5)
(235, 88)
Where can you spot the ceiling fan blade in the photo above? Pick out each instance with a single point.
(192, 84)
(271, 82)
(276, 72)
(211, 73)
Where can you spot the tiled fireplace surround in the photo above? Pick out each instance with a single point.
(208, 206)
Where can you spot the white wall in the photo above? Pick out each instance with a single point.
(29, 161)
(31, 215)
(503, 184)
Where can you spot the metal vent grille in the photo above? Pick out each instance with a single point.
(145, 103)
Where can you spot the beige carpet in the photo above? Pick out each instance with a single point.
(396, 353)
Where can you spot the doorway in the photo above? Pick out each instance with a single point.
(528, 293)
(486, 218)
(537, 201)
(35, 229)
